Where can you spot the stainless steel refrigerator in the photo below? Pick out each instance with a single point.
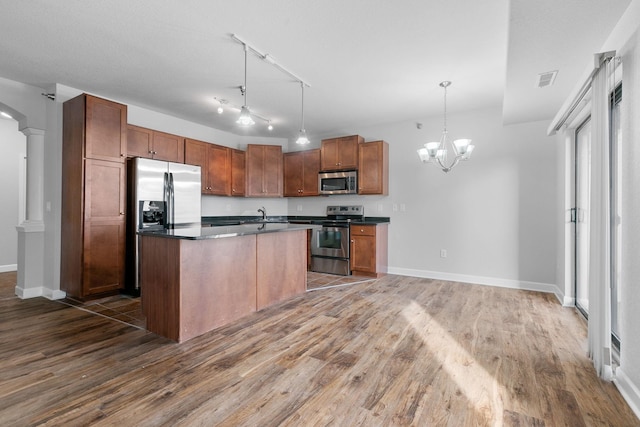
(161, 195)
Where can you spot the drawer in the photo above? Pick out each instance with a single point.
(363, 230)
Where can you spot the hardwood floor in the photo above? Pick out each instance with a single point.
(394, 351)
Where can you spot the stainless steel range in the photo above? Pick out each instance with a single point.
(330, 245)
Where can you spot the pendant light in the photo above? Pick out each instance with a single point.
(436, 152)
(245, 115)
(302, 135)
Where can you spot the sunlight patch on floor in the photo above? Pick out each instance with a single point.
(480, 387)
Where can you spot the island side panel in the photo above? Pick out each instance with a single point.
(160, 285)
(282, 266)
(218, 283)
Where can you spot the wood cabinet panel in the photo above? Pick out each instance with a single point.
(369, 247)
(93, 197)
(373, 170)
(152, 144)
(206, 284)
(104, 257)
(301, 173)
(168, 147)
(238, 171)
(105, 127)
(219, 170)
(281, 266)
(293, 174)
(340, 153)
(215, 163)
(105, 190)
(264, 171)
(139, 142)
(195, 153)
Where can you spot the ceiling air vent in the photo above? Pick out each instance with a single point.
(546, 79)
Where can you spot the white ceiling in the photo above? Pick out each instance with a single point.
(367, 61)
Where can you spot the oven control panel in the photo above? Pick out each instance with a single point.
(346, 210)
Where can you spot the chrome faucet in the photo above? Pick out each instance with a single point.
(263, 211)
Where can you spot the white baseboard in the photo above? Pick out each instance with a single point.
(481, 280)
(28, 293)
(51, 294)
(628, 390)
(8, 267)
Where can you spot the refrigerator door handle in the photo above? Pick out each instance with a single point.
(171, 201)
(166, 197)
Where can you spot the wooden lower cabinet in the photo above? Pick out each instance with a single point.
(103, 258)
(189, 287)
(369, 250)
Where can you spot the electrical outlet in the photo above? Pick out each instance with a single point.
(403, 207)
(380, 207)
(395, 207)
(443, 253)
(299, 208)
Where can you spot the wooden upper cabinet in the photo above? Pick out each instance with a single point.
(264, 171)
(340, 153)
(238, 181)
(219, 170)
(139, 142)
(301, 173)
(195, 153)
(105, 125)
(373, 170)
(151, 144)
(168, 147)
(215, 163)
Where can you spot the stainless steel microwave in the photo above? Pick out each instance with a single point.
(344, 182)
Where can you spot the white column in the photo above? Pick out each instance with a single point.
(31, 231)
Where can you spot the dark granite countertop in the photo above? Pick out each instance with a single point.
(216, 221)
(222, 231)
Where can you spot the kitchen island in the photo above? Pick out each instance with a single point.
(196, 279)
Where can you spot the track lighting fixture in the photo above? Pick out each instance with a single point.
(302, 135)
(245, 115)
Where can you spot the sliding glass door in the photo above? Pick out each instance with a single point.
(616, 208)
(581, 213)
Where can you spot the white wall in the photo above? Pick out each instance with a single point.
(12, 161)
(495, 214)
(628, 375)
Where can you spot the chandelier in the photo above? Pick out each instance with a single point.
(436, 152)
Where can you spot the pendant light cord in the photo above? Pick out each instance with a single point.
(445, 108)
(302, 109)
(245, 74)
